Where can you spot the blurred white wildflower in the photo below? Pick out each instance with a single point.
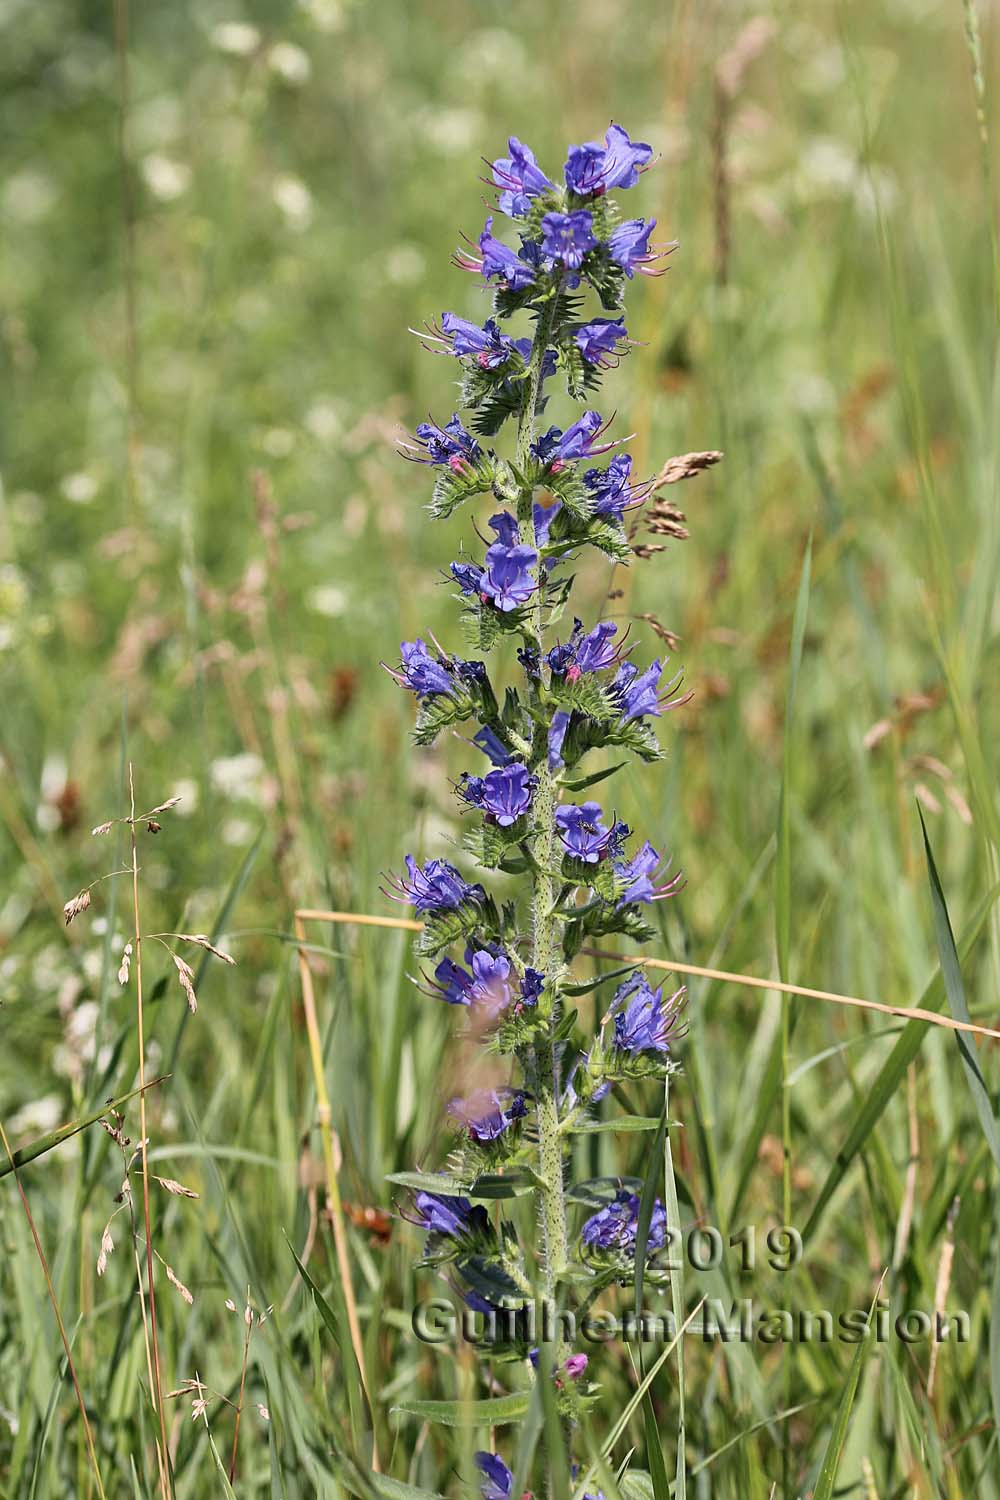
(327, 599)
(290, 62)
(238, 776)
(156, 121)
(47, 817)
(187, 790)
(278, 442)
(405, 264)
(324, 419)
(79, 1040)
(49, 968)
(28, 196)
(326, 15)
(237, 832)
(166, 179)
(828, 168)
(492, 50)
(811, 393)
(827, 165)
(53, 778)
(38, 1116)
(238, 38)
(294, 200)
(79, 488)
(452, 130)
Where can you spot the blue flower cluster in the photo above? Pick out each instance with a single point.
(508, 969)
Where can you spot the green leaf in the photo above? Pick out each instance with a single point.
(581, 784)
(596, 1192)
(429, 1182)
(654, 1448)
(587, 986)
(495, 1412)
(395, 1489)
(623, 1124)
(673, 1212)
(336, 1324)
(489, 1186)
(827, 1475)
(54, 1138)
(783, 861)
(951, 971)
(894, 1069)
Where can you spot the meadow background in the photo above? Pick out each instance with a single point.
(207, 542)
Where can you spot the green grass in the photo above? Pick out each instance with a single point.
(285, 234)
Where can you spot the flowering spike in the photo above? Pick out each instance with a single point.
(582, 876)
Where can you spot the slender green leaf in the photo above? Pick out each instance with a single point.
(494, 1412)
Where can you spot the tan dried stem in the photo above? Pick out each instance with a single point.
(325, 1119)
(672, 965)
(153, 1343)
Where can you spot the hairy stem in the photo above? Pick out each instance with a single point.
(540, 1065)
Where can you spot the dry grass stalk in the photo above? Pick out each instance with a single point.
(185, 974)
(325, 1117)
(686, 466)
(78, 904)
(178, 1189)
(153, 1344)
(201, 941)
(942, 1286)
(670, 639)
(906, 1012)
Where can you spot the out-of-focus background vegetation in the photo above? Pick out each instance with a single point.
(207, 542)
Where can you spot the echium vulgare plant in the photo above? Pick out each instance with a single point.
(584, 874)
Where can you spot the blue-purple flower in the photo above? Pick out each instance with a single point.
(629, 248)
(507, 579)
(531, 987)
(487, 345)
(516, 270)
(615, 1226)
(592, 652)
(422, 673)
(557, 448)
(636, 873)
(488, 1113)
(582, 831)
(544, 515)
(637, 692)
(610, 489)
(644, 1021)
(440, 1214)
(592, 169)
(488, 986)
(489, 742)
(598, 341)
(436, 887)
(556, 736)
(520, 178)
(450, 445)
(497, 1480)
(568, 237)
(503, 794)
